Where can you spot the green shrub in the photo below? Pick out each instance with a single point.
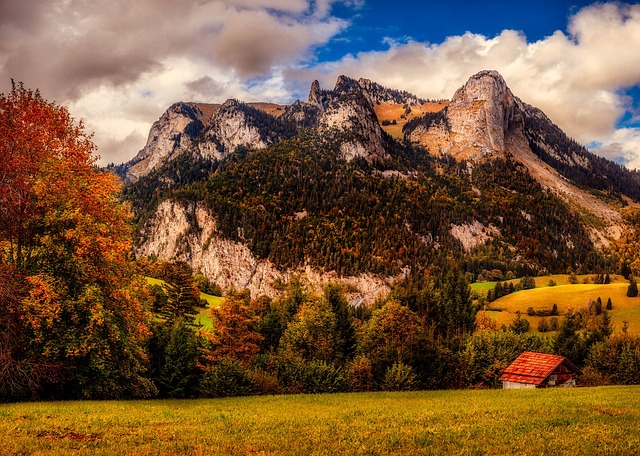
(399, 377)
(312, 377)
(226, 378)
(543, 325)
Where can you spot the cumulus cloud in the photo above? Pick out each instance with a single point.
(112, 61)
(575, 78)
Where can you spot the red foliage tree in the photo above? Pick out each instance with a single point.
(64, 230)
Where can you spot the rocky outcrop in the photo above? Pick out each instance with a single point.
(350, 113)
(473, 234)
(230, 127)
(172, 134)
(209, 131)
(478, 120)
(188, 233)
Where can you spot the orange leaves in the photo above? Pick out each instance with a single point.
(63, 227)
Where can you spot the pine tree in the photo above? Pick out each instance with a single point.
(632, 290)
(182, 296)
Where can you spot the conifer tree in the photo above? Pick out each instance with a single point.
(632, 290)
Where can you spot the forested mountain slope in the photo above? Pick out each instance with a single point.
(253, 196)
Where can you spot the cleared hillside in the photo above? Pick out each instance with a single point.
(566, 296)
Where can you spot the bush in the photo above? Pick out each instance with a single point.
(553, 323)
(543, 325)
(520, 325)
(399, 377)
(616, 359)
(225, 379)
(314, 376)
(531, 312)
(552, 283)
(264, 382)
(528, 283)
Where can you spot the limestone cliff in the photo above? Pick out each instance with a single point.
(187, 232)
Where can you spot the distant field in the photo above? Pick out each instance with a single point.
(565, 296)
(553, 421)
(391, 112)
(203, 316)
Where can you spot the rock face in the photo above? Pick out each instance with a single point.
(210, 131)
(188, 233)
(351, 113)
(174, 132)
(230, 127)
(478, 121)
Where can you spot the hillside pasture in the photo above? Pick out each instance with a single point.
(566, 296)
(553, 421)
(390, 112)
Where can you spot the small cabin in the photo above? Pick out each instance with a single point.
(539, 370)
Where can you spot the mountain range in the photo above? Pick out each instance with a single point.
(367, 184)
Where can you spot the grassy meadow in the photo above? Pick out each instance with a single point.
(553, 421)
(566, 296)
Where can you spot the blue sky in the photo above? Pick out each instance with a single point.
(434, 21)
(119, 64)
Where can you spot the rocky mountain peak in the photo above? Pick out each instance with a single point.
(481, 119)
(345, 84)
(351, 112)
(175, 130)
(315, 93)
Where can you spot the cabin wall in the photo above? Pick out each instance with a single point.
(515, 385)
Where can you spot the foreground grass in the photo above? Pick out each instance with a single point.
(554, 421)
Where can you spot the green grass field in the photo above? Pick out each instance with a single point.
(566, 296)
(204, 313)
(554, 421)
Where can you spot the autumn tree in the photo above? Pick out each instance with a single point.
(64, 231)
(314, 333)
(233, 335)
(391, 335)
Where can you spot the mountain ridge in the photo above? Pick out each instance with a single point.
(284, 189)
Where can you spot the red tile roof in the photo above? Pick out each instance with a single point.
(533, 368)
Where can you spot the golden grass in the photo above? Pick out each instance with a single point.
(552, 421)
(567, 296)
(390, 112)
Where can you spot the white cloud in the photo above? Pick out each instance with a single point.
(623, 146)
(119, 64)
